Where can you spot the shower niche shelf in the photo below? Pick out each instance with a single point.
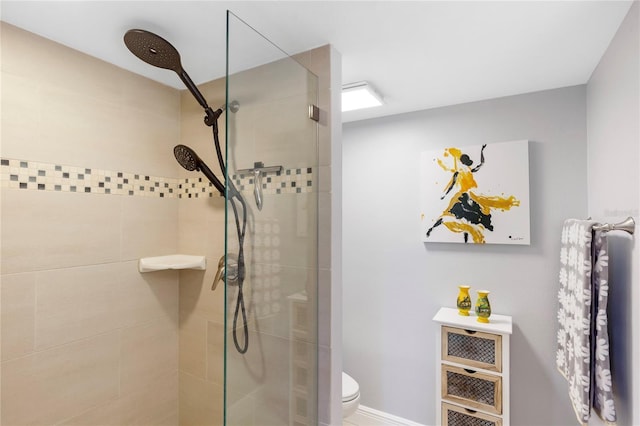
(173, 261)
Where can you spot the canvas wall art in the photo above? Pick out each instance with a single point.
(476, 194)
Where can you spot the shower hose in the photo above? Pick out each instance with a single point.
(232, 196)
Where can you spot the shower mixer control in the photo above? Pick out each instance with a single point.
(227, 271)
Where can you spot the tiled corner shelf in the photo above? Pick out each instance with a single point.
(173, 261)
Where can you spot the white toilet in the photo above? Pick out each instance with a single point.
(350, 395)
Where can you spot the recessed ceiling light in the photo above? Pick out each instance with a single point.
(358, 96)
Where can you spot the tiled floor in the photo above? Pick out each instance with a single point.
(354, 420)
(362, 420)
(369, 417)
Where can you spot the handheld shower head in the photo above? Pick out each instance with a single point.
(156, 51)
(188, 159)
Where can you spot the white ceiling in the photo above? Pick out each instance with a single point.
(419, 54)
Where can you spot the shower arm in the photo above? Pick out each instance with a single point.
(212, 116)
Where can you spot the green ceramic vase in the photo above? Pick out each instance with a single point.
(483, 307)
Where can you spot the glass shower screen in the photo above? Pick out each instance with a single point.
(271, 234)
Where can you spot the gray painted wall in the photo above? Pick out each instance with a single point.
(613, 128)
(393, 283)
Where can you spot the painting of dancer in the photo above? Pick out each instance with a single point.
(476, 194)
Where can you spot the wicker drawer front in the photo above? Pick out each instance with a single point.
(472, 389)
(458, 416)
(473, 348)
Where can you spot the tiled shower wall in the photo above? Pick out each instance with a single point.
(201, 310)
(202, 223)
(86, 167)
(89, 186)
(273, 233)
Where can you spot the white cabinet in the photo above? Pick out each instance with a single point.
(472, 370)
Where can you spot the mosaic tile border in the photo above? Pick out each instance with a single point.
(38, 176)
(289, 181)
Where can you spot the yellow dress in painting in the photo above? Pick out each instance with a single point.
(468, 212)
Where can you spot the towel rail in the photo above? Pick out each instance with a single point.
(627, 225)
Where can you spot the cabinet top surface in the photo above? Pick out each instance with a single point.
(501, 324)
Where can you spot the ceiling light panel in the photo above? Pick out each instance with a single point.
(358, 96)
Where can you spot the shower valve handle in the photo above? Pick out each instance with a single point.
(219, 274)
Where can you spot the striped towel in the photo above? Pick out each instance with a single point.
(583, 341)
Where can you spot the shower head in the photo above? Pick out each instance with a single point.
(188, 159)
(153, 49)
(156, 51)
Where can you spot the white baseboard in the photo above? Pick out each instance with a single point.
(366, 416)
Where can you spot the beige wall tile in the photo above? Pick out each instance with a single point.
(95, 125)
(80, 229)
(149, 227)
(242, 412)
(20, 110)
(146, 297)
(193, 345)
(21, 52)
(273, 294)
(140, 122)
(317, 61)
(246, 372)
(200, 402)
(155, 403)
(148, 143)
(172, 419)
(215, 352)
(196, 296)
(47, 83)
(275, 391)
(138, 140)
(283, 133)
(50, 386)
(17, 314)
(324, 179)
(28, 54)
(150, 96)
(76, 303)
(262, 373)
(263, 84)
(201, 226)
(324, 307)
(285, 231)
(149, 352)
(324, 226)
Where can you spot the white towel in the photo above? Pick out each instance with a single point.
(583, 340)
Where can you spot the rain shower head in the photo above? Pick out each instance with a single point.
(153, 49)
(156, 51)
(188, 159)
